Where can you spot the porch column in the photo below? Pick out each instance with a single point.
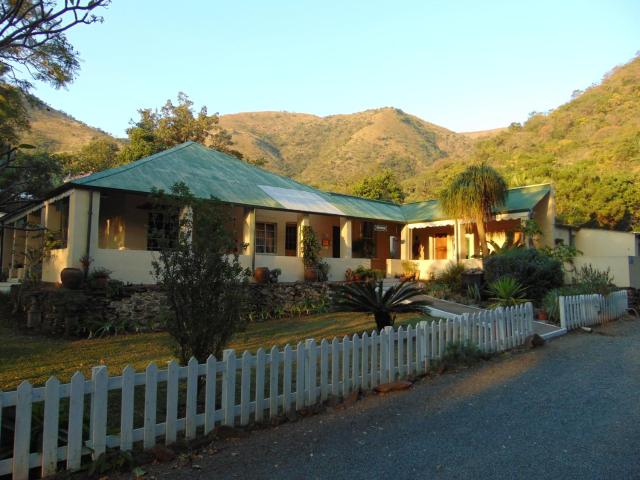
(346, 238)
(305, 221)
(405, 243)
(249, 234)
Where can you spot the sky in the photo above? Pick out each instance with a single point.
(463, 65)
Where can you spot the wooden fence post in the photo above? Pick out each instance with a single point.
(229, 387)
(100, 379)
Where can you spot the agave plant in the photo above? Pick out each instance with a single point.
(371, 298)
(506, 292)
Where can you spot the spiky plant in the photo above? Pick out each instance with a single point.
(506, 292)
(369, 297)
(473, 195)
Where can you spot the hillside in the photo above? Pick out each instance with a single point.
(56, 131)
(334, 152)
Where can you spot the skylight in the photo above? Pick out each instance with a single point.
(300, 200)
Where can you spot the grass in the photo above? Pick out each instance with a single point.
(36, 358)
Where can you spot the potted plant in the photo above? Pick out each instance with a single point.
(100, 278)
(410, 270)
(310, 254)
(274, 275)
(261, 275)
(71, 278)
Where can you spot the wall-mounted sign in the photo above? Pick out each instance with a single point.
(325, 242)
(380, 227)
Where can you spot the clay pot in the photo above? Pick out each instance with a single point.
(71, 278)
(542, 315)
(310, 275)
(261, 274)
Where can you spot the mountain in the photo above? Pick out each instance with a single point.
(56, 131)
(336, 151)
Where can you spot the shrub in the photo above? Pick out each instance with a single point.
(461, 353)
(592, 280)
(534, 270)
(506, 292)
(451, 276)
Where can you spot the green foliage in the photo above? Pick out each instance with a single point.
(100, 154)
(534, 270)
(451, 276)
(593, 280)
(310, 247)
(383, 186)
(474, 293)
(460, 353)
(201, 278)
(566, 254)
(473, 195)
(172, 125)
(509, 243)
(14, 117)
(506, 292)
(369, 297)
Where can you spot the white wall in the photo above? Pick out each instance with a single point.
(338, 266)
(624, 269)
(429, 268)
(605, 243)
(132, 266)
(292, 267)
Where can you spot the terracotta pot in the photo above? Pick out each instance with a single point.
(542, 315)
(71, 278)
(261, 274)
(310, 275)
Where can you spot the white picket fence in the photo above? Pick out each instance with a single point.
(269, 384)
(584, 310)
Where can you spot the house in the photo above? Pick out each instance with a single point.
(111, 217)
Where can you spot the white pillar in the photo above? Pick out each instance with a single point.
(249, 234)
(305, 221)
(346, 238)
(405, 243)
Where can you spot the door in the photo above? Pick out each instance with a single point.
(441, 247)
(291, 240)
(336, 242)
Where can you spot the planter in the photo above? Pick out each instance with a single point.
(310, 275)
(71, 278)
(261, 275)
(542, 315)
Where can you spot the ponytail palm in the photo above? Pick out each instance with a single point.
(369, 297)
(473, 195)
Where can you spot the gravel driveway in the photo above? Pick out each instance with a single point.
(568, 410)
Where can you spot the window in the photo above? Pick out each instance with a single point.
(58, 223)
(365, 247)
(266, 238)
(291, 238)
(162, 230)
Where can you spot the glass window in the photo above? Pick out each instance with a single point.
(162, 230)
(291, 237)
(58, 223)
(265, 238)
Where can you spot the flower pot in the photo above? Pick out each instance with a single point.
(71, 278)
(542, 315)
(261, 274)
(310, 275)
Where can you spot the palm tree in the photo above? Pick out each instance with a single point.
(473, 195)
(370, 297)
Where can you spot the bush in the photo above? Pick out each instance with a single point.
(506, 292)
(592, 280)
(534, 270)
(461, 353)
(451, 276)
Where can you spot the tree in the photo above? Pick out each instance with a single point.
(33, 36)
(26, 176)
(172, 125)
(97, 155)
(473, 195)
(383, 186)
(370, 297)
(203, 281)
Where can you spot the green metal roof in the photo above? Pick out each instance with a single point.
(209, 173)
(519, 199)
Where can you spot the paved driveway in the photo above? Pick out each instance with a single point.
(568, 410)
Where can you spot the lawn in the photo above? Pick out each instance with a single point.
(35, 358)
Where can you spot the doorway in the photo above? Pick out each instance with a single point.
(336, 242)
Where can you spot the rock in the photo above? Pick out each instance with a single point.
(586, 329)
(393, 386)
(534, 340)
(162, 454)
(348, 401)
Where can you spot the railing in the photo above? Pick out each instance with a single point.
(584, 310)
(87, 416)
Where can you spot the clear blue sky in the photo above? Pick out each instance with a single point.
(460, 64)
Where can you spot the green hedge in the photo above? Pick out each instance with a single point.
(536, 271)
